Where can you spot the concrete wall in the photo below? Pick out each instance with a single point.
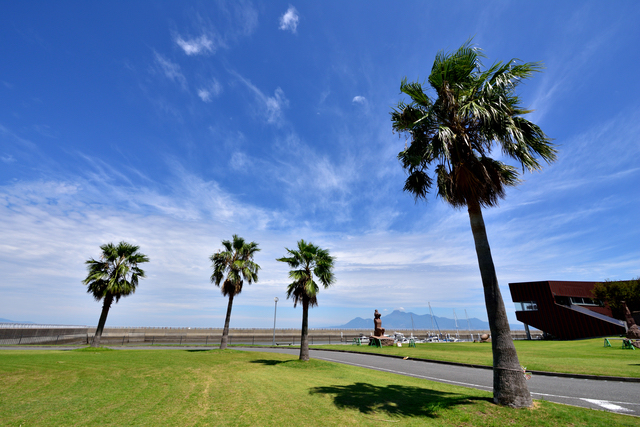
(203, 336)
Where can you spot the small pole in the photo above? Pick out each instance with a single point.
(206, 340)
(274, 320)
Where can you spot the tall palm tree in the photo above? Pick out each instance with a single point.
(113, 276)
(237, 262)
(475, 111)
(308, 260)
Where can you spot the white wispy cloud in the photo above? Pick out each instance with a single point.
(240, 18)
(212, 90)
(310, 182)
(275, 104)
(239, 161)
(289, 21)
(570, 62)
(270, 106)
(170, 70)
(204, 94)
(359, 99)
(247, 16)
(197, 46)
(8, 135)
(16, 147)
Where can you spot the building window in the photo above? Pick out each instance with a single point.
(585, 301)
(578, 301)
(526, 306)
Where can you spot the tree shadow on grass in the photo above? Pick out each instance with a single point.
(394, 399)
(269, 362)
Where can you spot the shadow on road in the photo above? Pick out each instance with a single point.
(394, 399)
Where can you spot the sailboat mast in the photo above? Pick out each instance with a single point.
(431, 312)
(456, 320)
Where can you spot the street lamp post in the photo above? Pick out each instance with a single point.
(274, 320)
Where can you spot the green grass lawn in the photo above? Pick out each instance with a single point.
(578, 357)
(174, 387)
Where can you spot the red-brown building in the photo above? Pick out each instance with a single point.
(565, 310)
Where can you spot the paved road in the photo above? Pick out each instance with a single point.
(614, 396)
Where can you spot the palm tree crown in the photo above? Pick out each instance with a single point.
(116, 273)
(474, 112)
(237, 262)
(308, 260)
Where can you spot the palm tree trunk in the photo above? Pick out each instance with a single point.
(304, 337)
(225, 331)
(106, 305)
(509, 385)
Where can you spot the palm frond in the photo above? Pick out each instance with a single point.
(418, 183)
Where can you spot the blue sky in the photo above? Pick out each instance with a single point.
(175, 125)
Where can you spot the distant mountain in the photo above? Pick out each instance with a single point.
(403, 320)
(358, 323)
(12, 321)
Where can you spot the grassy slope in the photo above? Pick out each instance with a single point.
(579, 357)
(236, 388)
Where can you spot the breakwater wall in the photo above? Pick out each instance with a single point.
(205, 336)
